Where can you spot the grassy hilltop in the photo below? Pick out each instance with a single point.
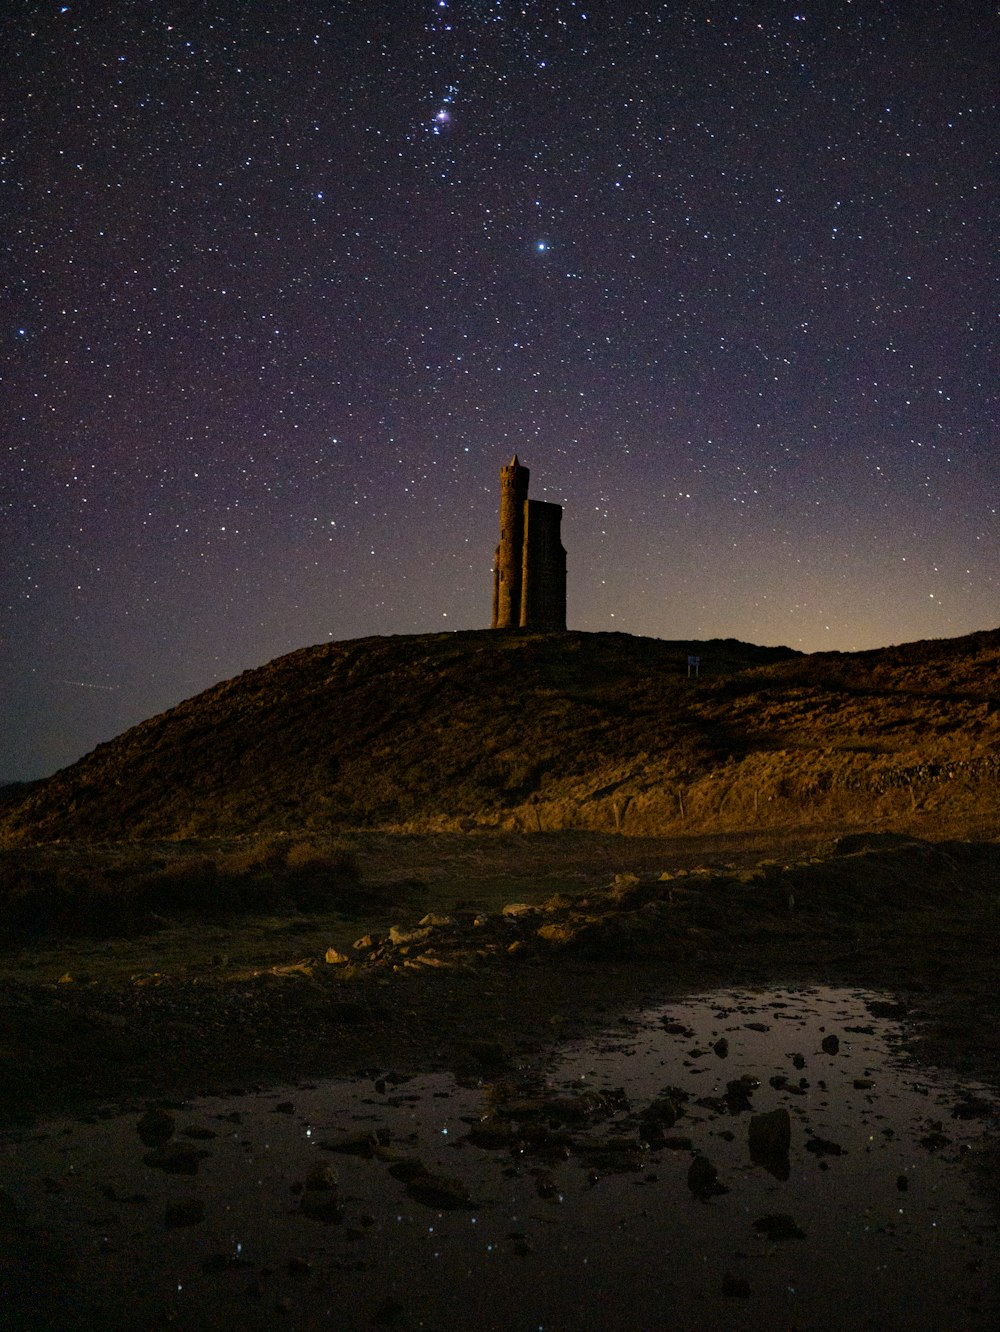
(439, 732)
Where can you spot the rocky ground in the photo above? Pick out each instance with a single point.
(460, 974)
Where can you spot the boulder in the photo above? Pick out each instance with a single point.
(770, 1135)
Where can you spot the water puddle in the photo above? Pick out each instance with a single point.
(734, 1161)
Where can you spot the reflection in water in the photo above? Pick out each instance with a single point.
(734, 1161)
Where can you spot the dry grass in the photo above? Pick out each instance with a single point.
(497, 734)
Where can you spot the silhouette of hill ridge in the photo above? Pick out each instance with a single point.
(543, 731)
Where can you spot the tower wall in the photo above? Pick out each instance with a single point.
(509, 562)
(543, 577)
(529, 568)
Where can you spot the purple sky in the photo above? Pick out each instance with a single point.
(285, 285)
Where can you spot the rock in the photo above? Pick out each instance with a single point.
(735, 1288)
(389, 1313)
(545, 1184)
(321, 1205)
(436, 922)
(352, 1144)
(176, 1158)
(561, 932)
(830, 1044)
(770, 1135)
(972, 1107)
(285, 1108)
(398, 935)
(408, 1168)
(322, 1177)
(365, 943)
(721, 1047)
(155, 1127)
(519, 911)
(864, 1084)
(488, 1054)
(663, 1112)
(824, 1147)
(491, 1134)
(623, 881)
(439, 1191)
(334, 958)
(738, 1093)
(223, 1262)
(558, 902)
(778, 1226)
(184, 1212)
(703, 1179)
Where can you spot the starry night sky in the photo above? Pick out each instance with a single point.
(286, 284)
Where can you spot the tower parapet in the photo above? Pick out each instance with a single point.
(529, 569)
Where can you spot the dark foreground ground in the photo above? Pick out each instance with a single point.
(605, 924)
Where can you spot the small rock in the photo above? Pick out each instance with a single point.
(735, 1288)
(625, 880)
(770, 1135)
(830, 1044)
(334, 958)
(519, 910)
(436, 922)
(321, 1177)
(778, 1226)
(352, 1144)
(389, 1313)
(972, 1107)
(545, 1184)
(223, 1262)
(864, 1084)
(176, 1158)
(320, 1205)
(491, 1134)
(824, 1147)
(155, 1127)
(703, 1179)
(184, 1212)
(408, 1168)
(439, 1191)
(398, 935)
(721, 1047)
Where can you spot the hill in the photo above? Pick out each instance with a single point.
(544, 731)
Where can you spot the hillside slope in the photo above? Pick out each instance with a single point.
(544, 731)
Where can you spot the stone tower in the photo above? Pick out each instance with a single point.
(529, 569)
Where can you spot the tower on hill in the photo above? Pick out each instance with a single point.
(529, 569)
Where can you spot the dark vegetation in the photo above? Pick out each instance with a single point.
(127, 889)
